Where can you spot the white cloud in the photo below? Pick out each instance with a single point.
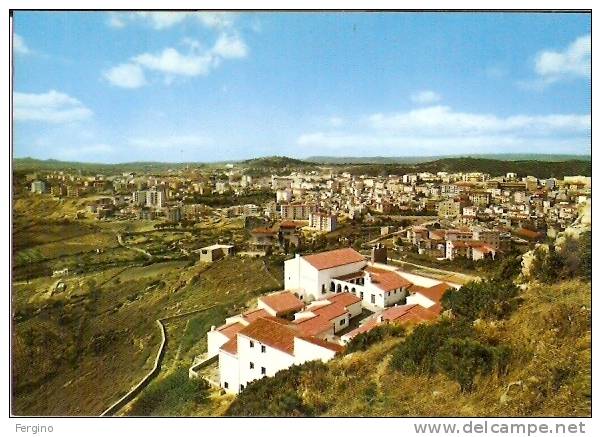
(425, 97)
(116, 21)
(51, 107)
(574, 61)
(164, 20)
(19, 45)
(126, 76)
(216, 20)
(230, 47)
(436, 120)
(171, 61)
(160, 20)
(439, 129)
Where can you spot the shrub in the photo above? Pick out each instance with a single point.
(482, 300)
(417, 354)
(364, 340)
(463, 359)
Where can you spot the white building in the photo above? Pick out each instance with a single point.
(265, 347)
(311, 275)
(322, 222)
(38, 187)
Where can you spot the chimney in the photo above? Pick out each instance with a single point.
(212, 327)
(379, 254)
(380, 318)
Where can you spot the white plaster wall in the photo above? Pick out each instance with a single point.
(215, 340)
(422, 281)
(419, 299)
(272, 359)
(228, 372)
(305, 351)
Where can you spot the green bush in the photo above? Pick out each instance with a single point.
(463, 359)
(417, 354)
(364, 340)
(482, 300)
(278, 395)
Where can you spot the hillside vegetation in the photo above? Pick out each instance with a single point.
(498, 350)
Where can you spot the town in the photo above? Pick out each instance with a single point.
(357, 251)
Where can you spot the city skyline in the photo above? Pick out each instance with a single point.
(205, 87)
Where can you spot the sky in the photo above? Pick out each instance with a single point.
(216, 86)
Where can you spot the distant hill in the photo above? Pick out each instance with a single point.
(276, 162)
(420, 159)
(542, 167)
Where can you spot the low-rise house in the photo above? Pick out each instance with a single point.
(215, 252)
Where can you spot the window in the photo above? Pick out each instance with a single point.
(373, 298)
(361, 295)
(263, 371)
(342, 322)
(252, 365)
(252, 343)
(225, 385)
(323, 288)
(263, 349)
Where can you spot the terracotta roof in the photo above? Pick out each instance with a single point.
(313, 325)
(345, 299)
(386, 280)
(325, 344)
(528, 233)
(405, 313)
(367, 326)
(231, 346)
(275, 333)
(433, 293)
(334, 258)
(282, 302)
(331, 311)
(291, 224)
(253, 315)
(231, 330)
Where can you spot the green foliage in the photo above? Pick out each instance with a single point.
(278, 395)
(462, 359)
(417, 354)
(170, 393)
(364, 340)
(482, 300)
(573, 259)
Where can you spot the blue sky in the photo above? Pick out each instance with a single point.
(119, 87)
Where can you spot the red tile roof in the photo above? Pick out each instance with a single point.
(291, 224)
(325, 344)
(231, 330)
(433, 293)
(253, 315)
(330, 311)
(345, 299)
(273, 332)
(231, 346)
(386, 280)
(334, 258)
(283, 302)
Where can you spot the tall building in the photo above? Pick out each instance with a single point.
(297, 211)
(38, 187)
(324, 222)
